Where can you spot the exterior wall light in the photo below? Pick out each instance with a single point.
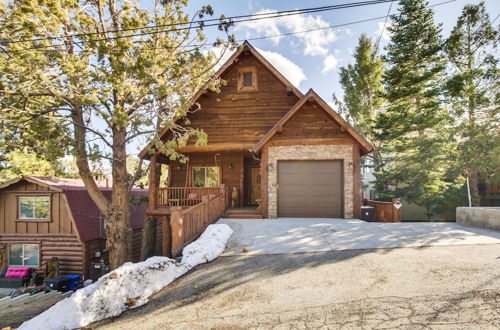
(231, 166)
(270, 166)
(350, 166)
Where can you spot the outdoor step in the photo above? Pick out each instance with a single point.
(243, 216)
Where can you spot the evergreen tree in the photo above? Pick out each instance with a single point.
(414, 126)
(107, 71)
(475, 94)
(362, 85)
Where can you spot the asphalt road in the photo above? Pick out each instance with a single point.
(443, 287)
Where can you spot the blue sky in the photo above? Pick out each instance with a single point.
(313, 59)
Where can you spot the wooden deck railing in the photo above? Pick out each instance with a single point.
(384, 211)
(183, 196)
(187, 224)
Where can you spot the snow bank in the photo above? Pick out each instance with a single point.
(208, 246)
(130, 285)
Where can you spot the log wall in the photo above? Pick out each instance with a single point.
(230, 169)
(242, 117)
(66, 247)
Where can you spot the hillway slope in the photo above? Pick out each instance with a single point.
(439, 287)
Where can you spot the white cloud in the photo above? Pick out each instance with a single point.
(289, 69)
(224, 55)
(331, 62)
(386, 35)
(314, 43)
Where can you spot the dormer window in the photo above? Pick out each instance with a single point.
(247, 79)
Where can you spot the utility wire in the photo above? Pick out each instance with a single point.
(266, 16)
(246, 18)
(255, 38)
(383, 28)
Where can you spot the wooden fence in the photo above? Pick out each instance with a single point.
(493, 188)
(183, 196)
(187, 224)
(384, 211)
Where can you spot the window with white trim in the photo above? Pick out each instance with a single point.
(34, 207)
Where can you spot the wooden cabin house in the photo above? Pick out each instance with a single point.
(277, 151)
(41, 218)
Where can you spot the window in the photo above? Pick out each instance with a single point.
(247, 79)
(24, 255)
(34, 207)
(205, 176)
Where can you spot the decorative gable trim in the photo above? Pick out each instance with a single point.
(309, 97)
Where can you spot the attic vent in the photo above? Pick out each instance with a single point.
(247, 79)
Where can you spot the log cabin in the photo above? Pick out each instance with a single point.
(42, 218)
(276, 151)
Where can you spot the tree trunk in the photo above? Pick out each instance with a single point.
(118, 229)
(148, 238)
(149, 230)
(474, 187)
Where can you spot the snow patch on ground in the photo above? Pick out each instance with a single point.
(208, 246)
(130, 285)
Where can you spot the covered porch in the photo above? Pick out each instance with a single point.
(188, 196)
(236, 174)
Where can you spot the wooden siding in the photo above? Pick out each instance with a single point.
(242, 117)
(310, 122)
(181, 174)
(60, 221)
(66, 247)
(58, 237)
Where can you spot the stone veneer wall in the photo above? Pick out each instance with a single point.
(310, 152)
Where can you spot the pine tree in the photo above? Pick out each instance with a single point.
(414, 126)
(475, 94)
(362, 85)
(101, 70)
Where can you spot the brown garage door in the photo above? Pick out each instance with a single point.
(310, 188)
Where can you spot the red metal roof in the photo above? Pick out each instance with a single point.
(88, 218)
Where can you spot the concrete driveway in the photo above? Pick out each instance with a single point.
(287, 235)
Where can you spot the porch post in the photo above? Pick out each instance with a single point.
(222, 188)
(177, 231)
(242, 180)
(152, 203)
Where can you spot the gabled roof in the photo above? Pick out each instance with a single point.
(246, 46)
(312, 96)
(85, 214)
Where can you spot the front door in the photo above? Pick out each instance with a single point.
(254, 185)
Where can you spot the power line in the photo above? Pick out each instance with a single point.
(252, 17)
(255, 38)
(383, 28)
(267, 16)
